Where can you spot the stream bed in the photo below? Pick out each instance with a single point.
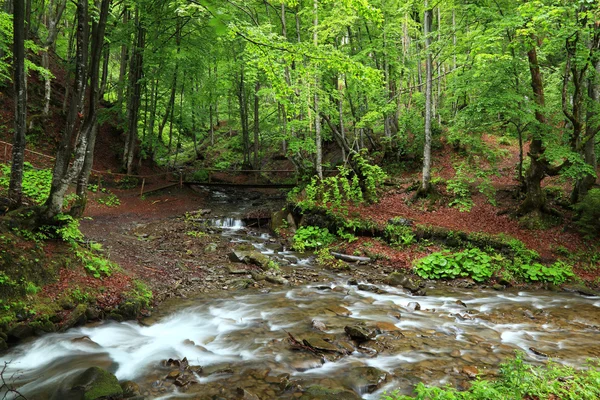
(256, 344)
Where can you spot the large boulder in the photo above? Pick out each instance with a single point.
(365, 379)
(92, 384)
(252, 257)
(402, 280)
(278, 220)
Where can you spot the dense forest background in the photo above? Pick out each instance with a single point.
(238, 84)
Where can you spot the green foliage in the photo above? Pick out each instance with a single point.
(142, 292)
(472, 263)
(96, 265)
(312, 237)
(374, 177)
(6, 280)
(273, 265)
(31, 288)
(399, 235)
(521, 381)
(200, 175)
(588, 211)
(79, 296)
(196, 234)
(557, 273)
(326, 259)
(110, 200)
(335, 192)
(36, 182)
(68, 229)
(460, 186)
(6, 35)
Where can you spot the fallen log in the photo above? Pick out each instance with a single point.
(351, 259)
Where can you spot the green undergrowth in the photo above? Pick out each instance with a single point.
(518, 381)
(32, 260)
(36, 182)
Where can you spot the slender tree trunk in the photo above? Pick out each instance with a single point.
(15, 191)
(171, 102)
(194, 94)
(256, 125)
(318, 139)
(124, 63)
(426, 181)
(180, 125)
(53, 15)
(104, 81)
(72, 36)
(135, 77)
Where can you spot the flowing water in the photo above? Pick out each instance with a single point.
(241, 339)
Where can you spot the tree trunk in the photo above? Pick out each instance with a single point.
(135, 76)
(60, 178)
(318, 139)
(535, 199)
(84, 152)
(592, 124)
(426, 181)
(124, 59)
(104, 80)
(53, 17)
(256, 125)
(171, 102)
(15, 191)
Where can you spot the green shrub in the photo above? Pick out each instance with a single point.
(399, 235)
(472, 263)
(200, 175)
(520, 381)
(588, 211)
(557, 273)
(312, 237)
(335, 192)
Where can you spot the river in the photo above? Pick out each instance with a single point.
(238, 343)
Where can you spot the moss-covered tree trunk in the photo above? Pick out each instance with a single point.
(535, 199)
(15, 189)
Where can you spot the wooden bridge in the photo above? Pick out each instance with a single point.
(212, 181)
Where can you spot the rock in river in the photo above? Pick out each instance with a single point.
(92, 384)
(359, 333)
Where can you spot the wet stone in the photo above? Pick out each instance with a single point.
(318, 325)
(321, 345)
(461, 303)
(339, 310)
(413, 306)
(470, 371)
(359, 333)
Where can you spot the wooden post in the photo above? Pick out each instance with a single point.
(180, 179)
(5, 152)
(143, 184)
(99, 181)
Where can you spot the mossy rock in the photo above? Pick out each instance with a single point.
(76, 318)
(317, 392)
(92, 384)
